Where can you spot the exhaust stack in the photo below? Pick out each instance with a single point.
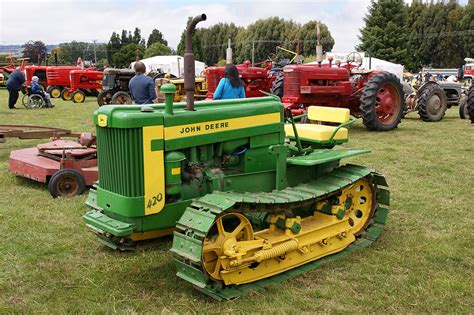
(228, 53)
(189, 70)
(319, 47)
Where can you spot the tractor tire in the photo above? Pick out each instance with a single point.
(432, 103)
(470, 103)
(104, 98)
(65, 95)
(66, 183)
(54, 91)
(121, 98)
(277, 86)
(463, 110)
(78, 96)
(382, 102)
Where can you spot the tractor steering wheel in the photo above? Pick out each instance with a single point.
(354, 57)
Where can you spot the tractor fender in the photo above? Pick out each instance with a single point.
(424, 86)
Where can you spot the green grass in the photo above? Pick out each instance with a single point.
(423, 261)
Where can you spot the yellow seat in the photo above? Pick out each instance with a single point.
(329, 114)
(321, 133)
(316, 132)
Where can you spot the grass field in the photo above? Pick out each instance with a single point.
(423, 261)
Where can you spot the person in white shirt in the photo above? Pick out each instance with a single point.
(452, 78)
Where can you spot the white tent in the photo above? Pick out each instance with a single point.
(169, 64)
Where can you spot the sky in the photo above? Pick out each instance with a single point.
(57, 21)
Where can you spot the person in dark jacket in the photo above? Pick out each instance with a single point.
(14, 84)
(230, 86)
(142, 87)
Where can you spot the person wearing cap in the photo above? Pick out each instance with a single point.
(35, 88)
(141, 86)
(14, 84)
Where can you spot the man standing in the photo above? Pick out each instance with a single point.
(141, 86)
(14, 84)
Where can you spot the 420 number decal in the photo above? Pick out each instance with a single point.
(154, 200)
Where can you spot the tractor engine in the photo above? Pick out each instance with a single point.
(311, 84)
(255, 79)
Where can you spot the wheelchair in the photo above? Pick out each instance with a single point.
(31, 100)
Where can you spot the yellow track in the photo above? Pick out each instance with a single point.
(235, 254)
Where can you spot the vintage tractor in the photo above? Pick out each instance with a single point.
(7, 68)
(252, 200)
(83, 83)
(115, 87)
(375, 96)
(58, 79)
(39, 71)
(432, 99)
(200, 92)
(255, 79)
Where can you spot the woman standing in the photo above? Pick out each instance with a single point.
(230, 86)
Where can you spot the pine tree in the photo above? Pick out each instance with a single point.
(156, 37)
(384, 34)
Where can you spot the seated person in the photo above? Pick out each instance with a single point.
(35, 88)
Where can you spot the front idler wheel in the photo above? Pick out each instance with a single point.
(226, 231)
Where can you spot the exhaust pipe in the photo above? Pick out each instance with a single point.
(189, 70)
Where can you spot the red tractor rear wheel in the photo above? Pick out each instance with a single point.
(382, 102)
(277, 86)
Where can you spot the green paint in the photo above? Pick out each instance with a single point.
(211, 167)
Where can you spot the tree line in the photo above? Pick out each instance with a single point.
(259, 39)
(438, 34)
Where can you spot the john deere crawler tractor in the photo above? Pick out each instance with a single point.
(251, 199)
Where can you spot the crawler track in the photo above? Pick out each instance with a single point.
(198, 219)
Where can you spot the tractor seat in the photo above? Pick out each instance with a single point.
(322, 133)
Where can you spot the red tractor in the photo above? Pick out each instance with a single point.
(83, 82)
(254, 78)
(58, 79)
(376, 96)
(39, 71)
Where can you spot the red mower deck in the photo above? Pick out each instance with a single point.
(66, 165)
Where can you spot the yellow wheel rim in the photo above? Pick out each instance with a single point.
(66, 95)
(55, 93)
(79, 97)
(358, 202)
(226, 231)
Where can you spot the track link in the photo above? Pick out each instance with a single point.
(201, 214)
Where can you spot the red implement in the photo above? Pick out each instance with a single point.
(66, 165)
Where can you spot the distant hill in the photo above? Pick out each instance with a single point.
(17, 49)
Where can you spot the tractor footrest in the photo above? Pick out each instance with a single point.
(100, 223)
(323, 156)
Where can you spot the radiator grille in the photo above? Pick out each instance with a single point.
(120, 159)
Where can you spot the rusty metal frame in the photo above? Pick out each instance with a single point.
(32, 132)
